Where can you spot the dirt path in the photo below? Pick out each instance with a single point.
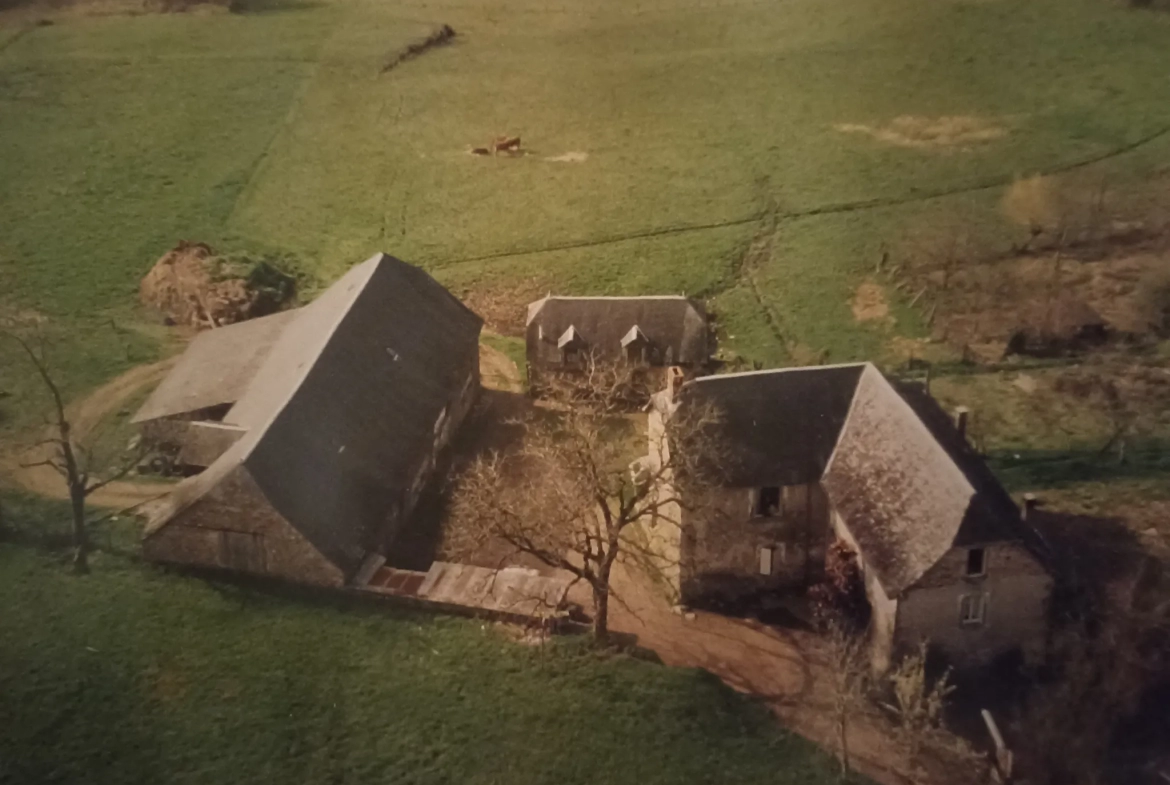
(85, 415)
(785, 668)
(497, 371)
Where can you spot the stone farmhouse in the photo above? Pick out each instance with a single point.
(318, 428)
(562, 334)
(841, 453)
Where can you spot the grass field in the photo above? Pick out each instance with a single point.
(275, 131)
(131, 675)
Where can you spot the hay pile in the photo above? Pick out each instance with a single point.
(192, 285)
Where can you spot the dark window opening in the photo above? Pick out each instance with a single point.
(975, 562)
(767, 502)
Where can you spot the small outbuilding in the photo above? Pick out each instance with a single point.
(564, 334)
(319, 427)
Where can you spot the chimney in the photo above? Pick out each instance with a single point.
(961, 415)
(1030, 503)
(674, 382)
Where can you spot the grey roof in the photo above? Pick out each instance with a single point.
(216, 367)
(783, 424)
(906, 484)
(670, 321)
(342, 411)
(908, 493)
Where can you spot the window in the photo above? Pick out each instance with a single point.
(636, 353)
(766, 556)
(973, 610)
(767, 502)
(976, 563)
(570, 355)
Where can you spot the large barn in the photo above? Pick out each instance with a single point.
(841, 453)
(319, 427)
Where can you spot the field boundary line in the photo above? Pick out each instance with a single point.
(286, 123)
(19, 34)
(810, 212)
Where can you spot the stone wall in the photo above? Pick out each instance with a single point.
(722, 550)
(883, 608)
(232, 527)
(1016, 590)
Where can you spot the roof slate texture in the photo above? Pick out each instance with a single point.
(673, 322)
(216, 368)
(341, 414)
(783, 423)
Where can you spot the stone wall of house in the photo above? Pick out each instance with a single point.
(232, 527)
(1016, 588)
(445, 427)
(722, 548)
(883, 608)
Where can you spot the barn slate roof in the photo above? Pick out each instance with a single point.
(906, 484)
(670, 321)
(782, 423)
(342, 411)
(216, 367)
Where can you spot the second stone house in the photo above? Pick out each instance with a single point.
(841, 453)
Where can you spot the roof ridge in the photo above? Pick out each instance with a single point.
(769, 371)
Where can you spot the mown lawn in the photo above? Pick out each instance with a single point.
(133, 675)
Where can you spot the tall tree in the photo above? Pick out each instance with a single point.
(570, 496)
(75, 462)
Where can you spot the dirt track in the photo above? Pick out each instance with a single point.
(785, 668)
(496, 370)
(85, 415)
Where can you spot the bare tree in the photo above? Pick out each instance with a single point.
(75, 462)
(847, 679)
(917, 702)
(568, 495)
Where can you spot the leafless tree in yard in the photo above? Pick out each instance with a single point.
(917, 703)
(75, 462)
(847, 679)
(568, 495)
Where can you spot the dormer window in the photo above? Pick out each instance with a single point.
(635, 346)
(571, 345)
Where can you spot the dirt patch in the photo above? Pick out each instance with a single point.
(192, 285)
(166, 683)
(925, 132)
(441, 36)
(572, 157)
(869, 303)
(504, 308)
(497, 371)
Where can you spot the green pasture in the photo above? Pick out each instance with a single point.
(133, 675)
(731, 150)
